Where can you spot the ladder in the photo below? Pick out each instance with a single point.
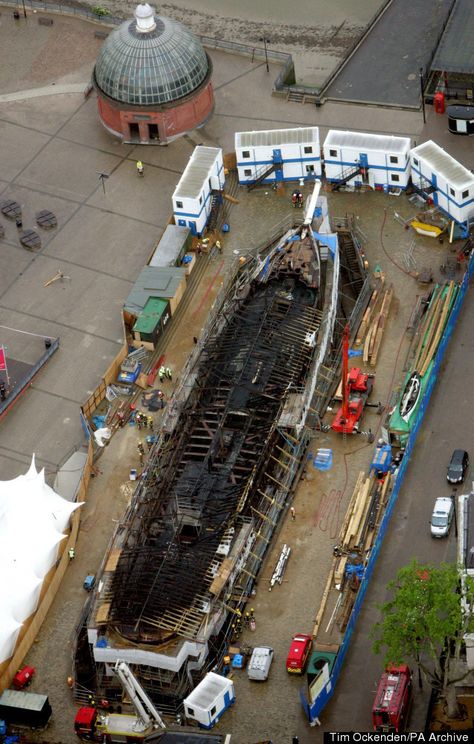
(346, 176)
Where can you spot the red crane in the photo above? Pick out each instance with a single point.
(356, 388)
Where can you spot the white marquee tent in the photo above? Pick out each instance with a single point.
(33, 519)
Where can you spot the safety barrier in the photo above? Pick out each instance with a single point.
(314, 710)
(27, 379)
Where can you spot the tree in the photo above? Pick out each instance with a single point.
(425, 622)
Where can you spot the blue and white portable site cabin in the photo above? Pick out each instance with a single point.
(275, 155)
(375, 160)
(201, 182)
(441, 178)
(208, 701)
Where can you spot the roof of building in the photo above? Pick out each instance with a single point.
(455, 52)
(171, 247)
(154, 281)
(444, 164)
(151, 315)
(196, 172)
(270, 137)
(150, 60)
(365, 141)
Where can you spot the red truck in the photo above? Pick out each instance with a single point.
(299, 652)
(393, 700)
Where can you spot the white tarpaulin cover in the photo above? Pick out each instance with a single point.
(33, 519)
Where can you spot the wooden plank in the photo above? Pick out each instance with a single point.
(366, 317)
(350, 508)
(427, 326)
(113, 559)
(324, 599)
(381, 325)
(439, 330)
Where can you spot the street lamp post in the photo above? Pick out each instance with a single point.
(422, 87)
(265, 42)
(102, 178)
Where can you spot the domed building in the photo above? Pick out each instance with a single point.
(153, 80)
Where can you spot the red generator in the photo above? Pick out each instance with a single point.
(23, 677)
(393, 700)
(439, 102)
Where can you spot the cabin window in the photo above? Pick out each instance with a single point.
(465, 194)
(395, 177)
(452, 191)
(247, 171)
(179, 204)
(245, 153)
(333, 153)
(309, 169)
(415, 161)
(308, 150)
(213, 711)
(393, 158)
(190, 712)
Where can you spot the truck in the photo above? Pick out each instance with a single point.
(146, 725)
(393, 700)
(24, 708)
(108, 728)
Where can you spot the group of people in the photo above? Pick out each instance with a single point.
(297, 198)
(143, 421)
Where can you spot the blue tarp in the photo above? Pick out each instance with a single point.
(329, 240)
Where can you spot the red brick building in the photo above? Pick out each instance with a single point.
(153, 80)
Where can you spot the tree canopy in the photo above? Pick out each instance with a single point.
(425, 622)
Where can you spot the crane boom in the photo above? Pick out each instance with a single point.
(146, 711)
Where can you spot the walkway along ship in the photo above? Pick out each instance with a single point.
(186, 555)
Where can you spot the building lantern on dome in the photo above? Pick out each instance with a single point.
(153, 80)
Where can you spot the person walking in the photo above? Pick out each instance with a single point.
(293, 513)
(140, 168)
(141, 451)
(161, 373)
(150, 423)
(168, 373)
(71, 554)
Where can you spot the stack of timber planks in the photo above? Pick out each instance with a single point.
(373, 323)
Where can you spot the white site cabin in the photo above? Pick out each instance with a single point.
(209, 700)
(192, 197)
(275, 155)
(376, 160)
(448, 183)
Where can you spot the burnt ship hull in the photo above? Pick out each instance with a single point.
(190, 547)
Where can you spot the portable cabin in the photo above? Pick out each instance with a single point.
(152, 320)
(461, 119)
(208, 701)
(24, 708)
(442, 179)
(172, 247)
(376, 160)
(201, 182)
(278, 155)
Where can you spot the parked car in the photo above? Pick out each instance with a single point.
(442, 516)
(299, 652)
(260, 662)
(458, 466)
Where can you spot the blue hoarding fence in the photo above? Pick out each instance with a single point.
(313, 710)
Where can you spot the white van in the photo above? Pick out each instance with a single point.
(442, 516)
(260, 662)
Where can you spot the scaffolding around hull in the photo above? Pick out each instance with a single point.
(186, 556)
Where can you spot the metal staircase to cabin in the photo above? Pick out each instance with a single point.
(346, 176)
(262, 173)
(216, 202)
(423, 191)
